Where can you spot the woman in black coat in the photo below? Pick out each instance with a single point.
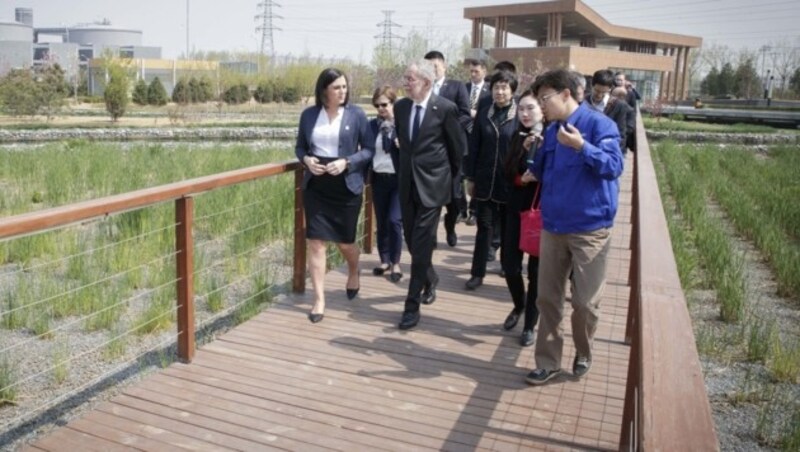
(486, 182)
(522, 189)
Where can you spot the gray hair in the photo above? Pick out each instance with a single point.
(579, 78)
(424, 69)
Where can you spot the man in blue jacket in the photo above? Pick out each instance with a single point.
(578, 164)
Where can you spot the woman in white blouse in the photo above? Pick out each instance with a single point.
(332, 144)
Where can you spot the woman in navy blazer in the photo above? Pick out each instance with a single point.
(332, 143)
(386, 197)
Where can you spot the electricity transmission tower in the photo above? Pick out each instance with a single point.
(266, 27)
(386, 36)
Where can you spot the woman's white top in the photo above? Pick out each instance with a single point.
(382, 162)
(325, 136)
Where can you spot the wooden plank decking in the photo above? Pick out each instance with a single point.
(355, 382)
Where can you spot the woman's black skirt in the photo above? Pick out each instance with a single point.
(331, 209)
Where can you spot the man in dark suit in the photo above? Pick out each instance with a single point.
(456, 92)
(431, 148)
(632, 98)
(600, 99)
(478, 90)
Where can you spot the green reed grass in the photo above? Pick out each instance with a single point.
(688, 174)
(785, 361)
(8, 393)
(761, 336)
(60, 370)
(759, 196)
(125, 246)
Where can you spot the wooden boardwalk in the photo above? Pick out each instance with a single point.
(355, 382)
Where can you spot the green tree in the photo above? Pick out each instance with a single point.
(236, 94)
(263, 93)
(194, 91)
(710, 84)
(726, 80)
(53, 89)
(206, 90)
(139, 96)
(18, 93)
(116, 92)
(180, 93)
(290, 95)
(794, 81)
(746, 82)
(156, 94)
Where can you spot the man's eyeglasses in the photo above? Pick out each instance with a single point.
(544, 99)
(383, 105)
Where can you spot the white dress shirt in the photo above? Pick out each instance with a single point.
(325, 136)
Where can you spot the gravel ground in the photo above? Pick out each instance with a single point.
(740, 391)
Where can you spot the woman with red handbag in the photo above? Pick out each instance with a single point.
(521, 197)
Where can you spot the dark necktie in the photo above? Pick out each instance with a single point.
(415, 126)
(473, 97)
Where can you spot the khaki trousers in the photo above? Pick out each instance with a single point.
(585, 254)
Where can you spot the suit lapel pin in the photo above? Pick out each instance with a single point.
(346, 127)
(435, 107)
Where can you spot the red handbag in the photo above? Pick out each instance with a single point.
(530, 227)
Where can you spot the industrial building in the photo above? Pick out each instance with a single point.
(569, 34)
(81, 49)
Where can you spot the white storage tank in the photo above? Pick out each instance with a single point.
(15, 31)
(103, 35)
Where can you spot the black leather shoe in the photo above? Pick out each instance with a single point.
(351, 293)
(429, 294)
(409, 320)
(395, 276)
(474, 283)
(511, 321)
(452, 238)
(492, 256)
(527, 338)
(378, 271)
(315, 318)
(471, 221)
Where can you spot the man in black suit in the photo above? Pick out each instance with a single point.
(431, 148)
(632, 98)
(478, 90)
(456, 92)
(600, 99)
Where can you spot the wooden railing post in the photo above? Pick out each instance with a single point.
(299, 274)
(184, 246)
(369, 218)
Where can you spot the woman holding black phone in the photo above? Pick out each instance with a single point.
(521, 196)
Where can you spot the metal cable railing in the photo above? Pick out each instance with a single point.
(244, 271)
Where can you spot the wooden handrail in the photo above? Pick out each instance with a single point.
(60, 216)
(182, 193)
(666, 404)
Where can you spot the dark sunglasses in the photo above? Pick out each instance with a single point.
(384, 105)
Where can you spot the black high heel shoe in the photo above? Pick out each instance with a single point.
(315, 318)
(351, 293)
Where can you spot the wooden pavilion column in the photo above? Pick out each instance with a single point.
(677, 74)
(684, 92)
(477, 33)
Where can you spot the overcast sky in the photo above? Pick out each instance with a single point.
(347, 28)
